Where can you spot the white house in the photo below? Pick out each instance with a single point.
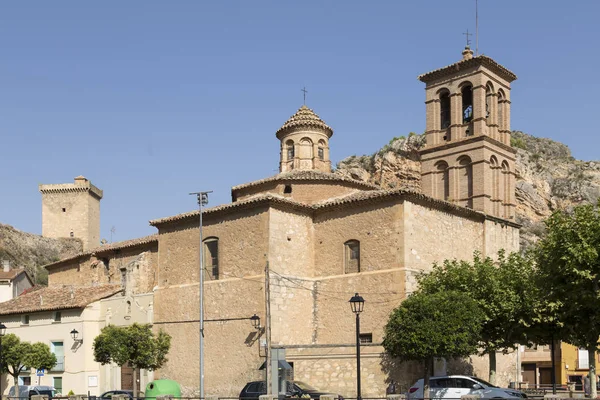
(13, 281)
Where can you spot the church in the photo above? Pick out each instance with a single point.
(322, 238)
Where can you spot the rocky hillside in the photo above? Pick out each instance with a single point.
(548, 177)
(32, 251)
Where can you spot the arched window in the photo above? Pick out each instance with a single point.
(489, 93)
(321, 150)
(501, 98)
(444, 109)
(506, 189)
(495, 170)
(351, 256)
(211, 257)
(467, 103)
(442, 181)
(290, 150)
(465, 180)
(306, 148)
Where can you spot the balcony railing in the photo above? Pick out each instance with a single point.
(60, 364)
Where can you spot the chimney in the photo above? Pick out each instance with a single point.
(5, 265)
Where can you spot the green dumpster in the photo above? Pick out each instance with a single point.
(162, 387)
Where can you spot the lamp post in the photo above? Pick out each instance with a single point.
(357, 304)
(2, 332)
(202, 198)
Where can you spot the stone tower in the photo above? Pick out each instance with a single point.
(304, 142)
(72, 210)
(468, 159)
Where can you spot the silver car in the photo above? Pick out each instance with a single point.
(455, 386)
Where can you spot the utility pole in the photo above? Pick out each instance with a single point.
(202, 201)
(268, 373)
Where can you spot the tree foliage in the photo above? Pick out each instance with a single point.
(504, 290)
(135, 345)
(431, 325)
(18, 356)
(568, 259)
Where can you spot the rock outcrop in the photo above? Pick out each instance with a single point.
(31, 251)
(548, 177)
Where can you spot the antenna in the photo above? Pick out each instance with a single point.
(476, 29)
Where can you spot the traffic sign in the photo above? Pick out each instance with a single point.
(40, 372)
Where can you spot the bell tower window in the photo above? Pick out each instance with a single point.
(290, 150)
(445, 110)
(467, 103)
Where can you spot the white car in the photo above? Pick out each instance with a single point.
(455, 386)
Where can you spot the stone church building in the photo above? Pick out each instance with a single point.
(324, 238)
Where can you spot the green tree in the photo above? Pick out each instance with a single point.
(503, 291)
(568, 259)
(19, 356)
(427, 326)
(135, 345)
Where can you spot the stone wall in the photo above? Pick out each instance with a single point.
(378, 228)
(138, 263)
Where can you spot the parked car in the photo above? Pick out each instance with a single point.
(455, 386)
(26, 391)
(253, 390)
(108, 395)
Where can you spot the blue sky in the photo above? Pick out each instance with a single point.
(151, 100)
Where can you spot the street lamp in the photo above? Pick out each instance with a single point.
(2, 332)
(202, 198)
(357, 303)
(255, 320)
(75, 334)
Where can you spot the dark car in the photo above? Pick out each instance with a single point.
(253, 390)
(108, 395)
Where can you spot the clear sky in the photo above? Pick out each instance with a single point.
(151, 100)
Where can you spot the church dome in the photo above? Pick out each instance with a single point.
(304, 119)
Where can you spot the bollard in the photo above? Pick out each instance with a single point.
(396, 397)
(551, 396)
(327, 397)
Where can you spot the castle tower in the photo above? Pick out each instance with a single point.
(72, 210)
(468, 158)
(304, 142)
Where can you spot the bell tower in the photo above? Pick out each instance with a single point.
(304, 142)
(468, 159)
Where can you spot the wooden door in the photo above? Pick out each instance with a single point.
(545, 376)
(528, 371)
(127, 378)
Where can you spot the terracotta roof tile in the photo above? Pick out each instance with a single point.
(57, 298)
(108, 247)
(11, 274)
(307, 175)
(304, 118)
(463, 64)
(251, 202)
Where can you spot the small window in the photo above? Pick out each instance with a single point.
(72, 234)
(321, 152)
(290, 150)
(124, 278)
(211, 257)
(287, 189)
(57, 316)
(352, 256)
(64, 210)
(25, 319)
(366, 338)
